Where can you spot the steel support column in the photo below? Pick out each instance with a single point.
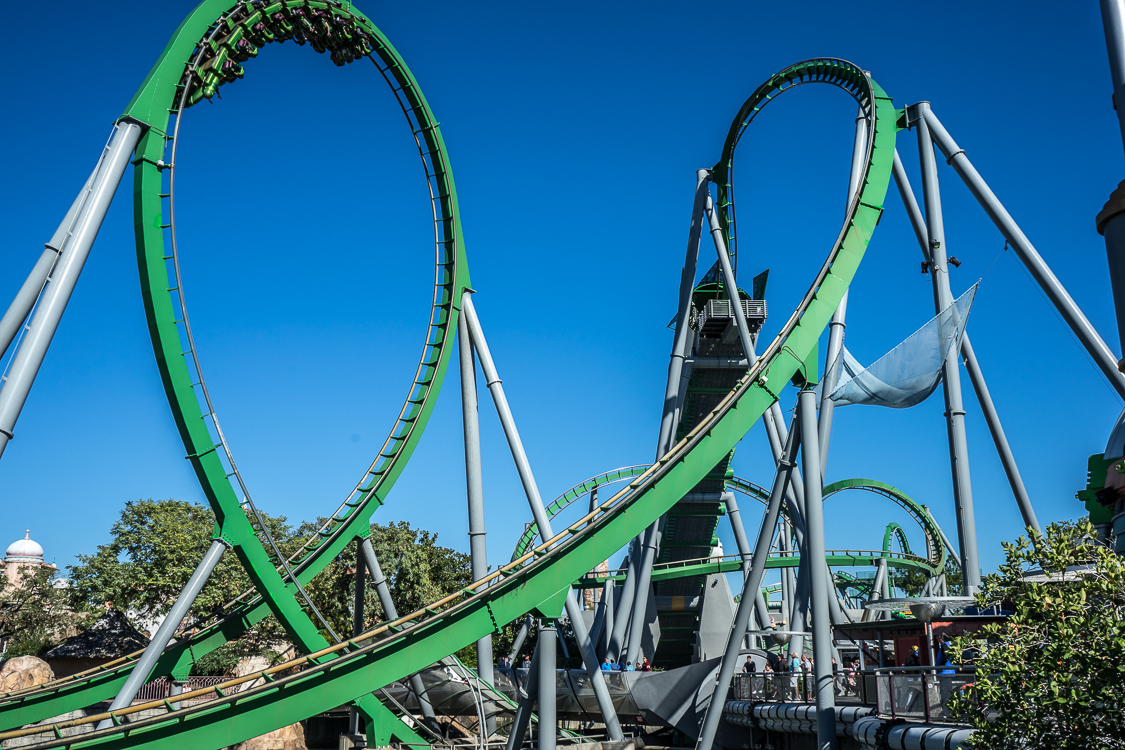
(180, 608)
(814, 548)
(535, 500)
(1027, 253)
(391, 613)
(951, 376)
(751, 584)
(52, 303)
(837, 326)
(474, 490)
(546, 676)
(980, 387)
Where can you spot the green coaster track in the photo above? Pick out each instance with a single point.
(205, 52)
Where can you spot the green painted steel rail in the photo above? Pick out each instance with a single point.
(344, 673)
(205, 52)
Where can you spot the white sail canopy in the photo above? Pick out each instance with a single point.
(909, 373)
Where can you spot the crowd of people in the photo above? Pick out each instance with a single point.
(643, 665)
(793, 679)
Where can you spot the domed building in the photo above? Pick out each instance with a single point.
(21, 554)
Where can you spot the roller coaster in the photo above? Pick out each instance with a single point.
(666, 513)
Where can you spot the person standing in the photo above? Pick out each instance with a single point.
(835, 676)
(809, 678)
(606, 665)
(629, 667)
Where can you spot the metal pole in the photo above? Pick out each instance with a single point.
(474, 486)
(752, 583)
(546, 673)
(27, 361)
(814, 546)
(744, 552)
(838, 324)
(521, 636)
(1027, 253)
(1113, 22)
(523, 467)
(996, 428)
(951, 376)
(25, 299)
(976, 377)
(391, 612)
(523, 711)
(672, 397)
(140, 673)
(624, 605)
(980, 387)
(640, 597)
(354, 719)
(608, 597)
(728, 280)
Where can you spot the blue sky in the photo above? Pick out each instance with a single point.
(574, 134)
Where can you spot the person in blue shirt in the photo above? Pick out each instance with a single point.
(630, 668)
(606, 665)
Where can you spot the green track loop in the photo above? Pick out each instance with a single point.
(447, 626)
(153, 106)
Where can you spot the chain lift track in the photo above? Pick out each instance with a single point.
(538, 580)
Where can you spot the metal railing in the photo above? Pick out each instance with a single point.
(161, 689)
(915, 693)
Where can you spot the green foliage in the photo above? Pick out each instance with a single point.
(156, 544)
(910, 581)
(1053, 674)
(34, 612)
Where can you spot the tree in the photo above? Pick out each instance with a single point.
(155, 546)
(910, 580)
(1051, 675)
(34, 612)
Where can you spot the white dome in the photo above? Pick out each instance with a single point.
(24, 549)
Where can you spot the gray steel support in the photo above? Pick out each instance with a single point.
(391, 612)
(814, 548)
(355, 721)
(799, 611)
(1113, 23)
(25, 298)
(522, 718)
(673, 391)
(876, 589)
(999, 438)
(52, 303)
(980, 387)
(535, 500)
(751, 584)
(951, 376)
(743, 545)
(683, 309)
(639, 614)
(176, 688)
(788, 581)
(838, 324)
(1027, 253)
(180, 608)
(624, 605)
(521, 636)
(609, 597)
(729, 281)
(546, 675)
(474, 490)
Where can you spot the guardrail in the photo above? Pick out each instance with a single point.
(914, 693)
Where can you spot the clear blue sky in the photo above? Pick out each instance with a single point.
(574, 133)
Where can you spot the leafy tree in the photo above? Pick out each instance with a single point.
(1052, 674)
(34, 612)
(911, 581)
(156, 545)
